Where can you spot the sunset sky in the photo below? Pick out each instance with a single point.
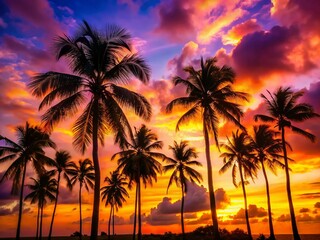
(268, 44)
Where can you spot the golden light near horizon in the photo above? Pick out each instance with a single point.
(267, 43)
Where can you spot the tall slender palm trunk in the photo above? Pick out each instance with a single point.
(113, 222)
(272, 236)
(135, 214)
(21, 201)
(216, 234)
(181, 211)
(96, 199)
(109, 223)
(41, 217)
(80, 211)
(296, 235)
(38, 219)
(245, 202)
(139, 213)
(55, 206)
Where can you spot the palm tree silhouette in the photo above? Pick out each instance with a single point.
(210, 96)
(42, 189)
(28, 148)
(181, 164)
(139, 163)
(114, 195)
(238, 155)
(100, 61)
(63, 164)
(84, 174)
(267, 149)
(284, 109)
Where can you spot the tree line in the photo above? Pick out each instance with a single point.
(102, 63)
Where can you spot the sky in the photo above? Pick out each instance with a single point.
(268, 43)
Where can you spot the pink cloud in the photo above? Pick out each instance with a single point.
(181, 61)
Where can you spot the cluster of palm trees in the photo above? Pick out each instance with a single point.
(211, 98)
(100, 63)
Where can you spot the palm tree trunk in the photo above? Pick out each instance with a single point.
(216, 234)
(41, 216)
(109, 235)
(296, 235)
(55, 206)
(96, 199)
(21, 201)
(38, 218)
(181, 211)
(139, 213)
(272, 236)
(80, 211)
(113, 221)
(135, 214)
(245, 202)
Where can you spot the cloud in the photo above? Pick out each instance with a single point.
(156, 218)
(304, 210)
(284, 218)
(268, 52)
(131, 218)
(12, 208)
(179, 62)
(84, 220)
(297, 12)
(175, 20)
(196, 199)
(317, 205)
(205, 218)
(235, 34)
(70, 197)
(307, 218)
(181, 21)
(253, 211)
(310, 195)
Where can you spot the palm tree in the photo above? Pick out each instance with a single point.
(238, 155)
(100, 61)
(42, 189)
(28, 148)
(284, 109)
(210, 96)
(84, 174)
(267, 149)
(114, 194)
(181, 164)
(139, 163)
(63, 164)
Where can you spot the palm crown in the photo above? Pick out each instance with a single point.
(28, 148)
(99, 61)
(114, 192)
(283, 108)
(238, 155)
(140, 159)
(42, 189)
(83, 173)
(266, 147)
(181, 164)
(209, 94)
